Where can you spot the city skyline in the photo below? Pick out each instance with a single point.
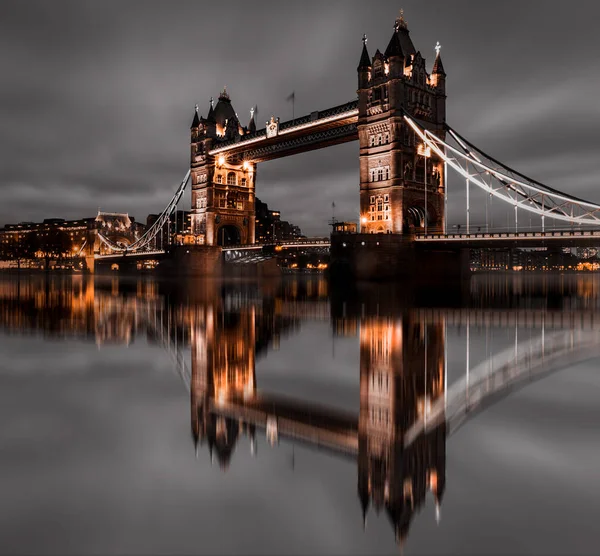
(103, 104)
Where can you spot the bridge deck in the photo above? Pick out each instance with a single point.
(564, 238)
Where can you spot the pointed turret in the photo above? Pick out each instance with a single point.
(365, 60)
(438, 67)
(252, 123)
(364, 66)
(196, 120)
(211, 111)
(394, 48)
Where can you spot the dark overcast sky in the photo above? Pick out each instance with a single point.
(97, 97)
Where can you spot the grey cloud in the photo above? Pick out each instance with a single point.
(96, 98)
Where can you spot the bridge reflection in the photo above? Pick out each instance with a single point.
(217, 331)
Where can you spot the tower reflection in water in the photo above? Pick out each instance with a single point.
(401, 375)
(227, 328)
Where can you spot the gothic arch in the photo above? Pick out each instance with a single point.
(228, 234)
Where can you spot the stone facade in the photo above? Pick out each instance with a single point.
(394, 167)
(222, 186)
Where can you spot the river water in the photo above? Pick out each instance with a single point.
(289, 416)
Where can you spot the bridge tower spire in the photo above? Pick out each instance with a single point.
(401, 184)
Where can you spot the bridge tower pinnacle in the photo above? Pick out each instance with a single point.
(401, 184)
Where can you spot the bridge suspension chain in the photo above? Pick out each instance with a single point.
(503, 182)
(142, 242)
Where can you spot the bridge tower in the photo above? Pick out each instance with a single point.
(222, 186)
(396, 173)
(401, 374)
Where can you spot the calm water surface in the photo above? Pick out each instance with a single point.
(288, 416)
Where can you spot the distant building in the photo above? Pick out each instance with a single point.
(13, 237)
(270, 227)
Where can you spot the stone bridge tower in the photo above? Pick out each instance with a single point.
(396, 172)
(222, 186)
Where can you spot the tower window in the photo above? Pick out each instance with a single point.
(386, 198)
(231, 178)
(380, 174)
(244, 181)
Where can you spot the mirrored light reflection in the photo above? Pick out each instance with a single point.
(406, 409)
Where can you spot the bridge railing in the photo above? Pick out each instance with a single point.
(509, 235)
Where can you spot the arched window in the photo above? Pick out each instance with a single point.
(219, 178)
(387, 173)
(380, 174)
(372, 142)
(244, 181)
(231, 178)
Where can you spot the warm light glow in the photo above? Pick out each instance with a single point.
(221, 160)
(423, 150)
(363, 220)
(246, 165)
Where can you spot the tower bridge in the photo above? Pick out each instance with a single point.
(406, 151)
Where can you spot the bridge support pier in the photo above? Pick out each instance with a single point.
(396, 257)
(192, 260)
(90, 263)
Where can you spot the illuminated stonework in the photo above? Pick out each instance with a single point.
(393, 175)
(222, 186)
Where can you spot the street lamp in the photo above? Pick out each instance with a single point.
(363, 221)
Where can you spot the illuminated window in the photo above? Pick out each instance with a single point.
(231, 178)
(219, 178)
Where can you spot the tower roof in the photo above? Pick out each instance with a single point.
(224, 111)
(196, 120)
(401, 28)
(365, 60)
(438, 67)
(394, 48)
(252, 123)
